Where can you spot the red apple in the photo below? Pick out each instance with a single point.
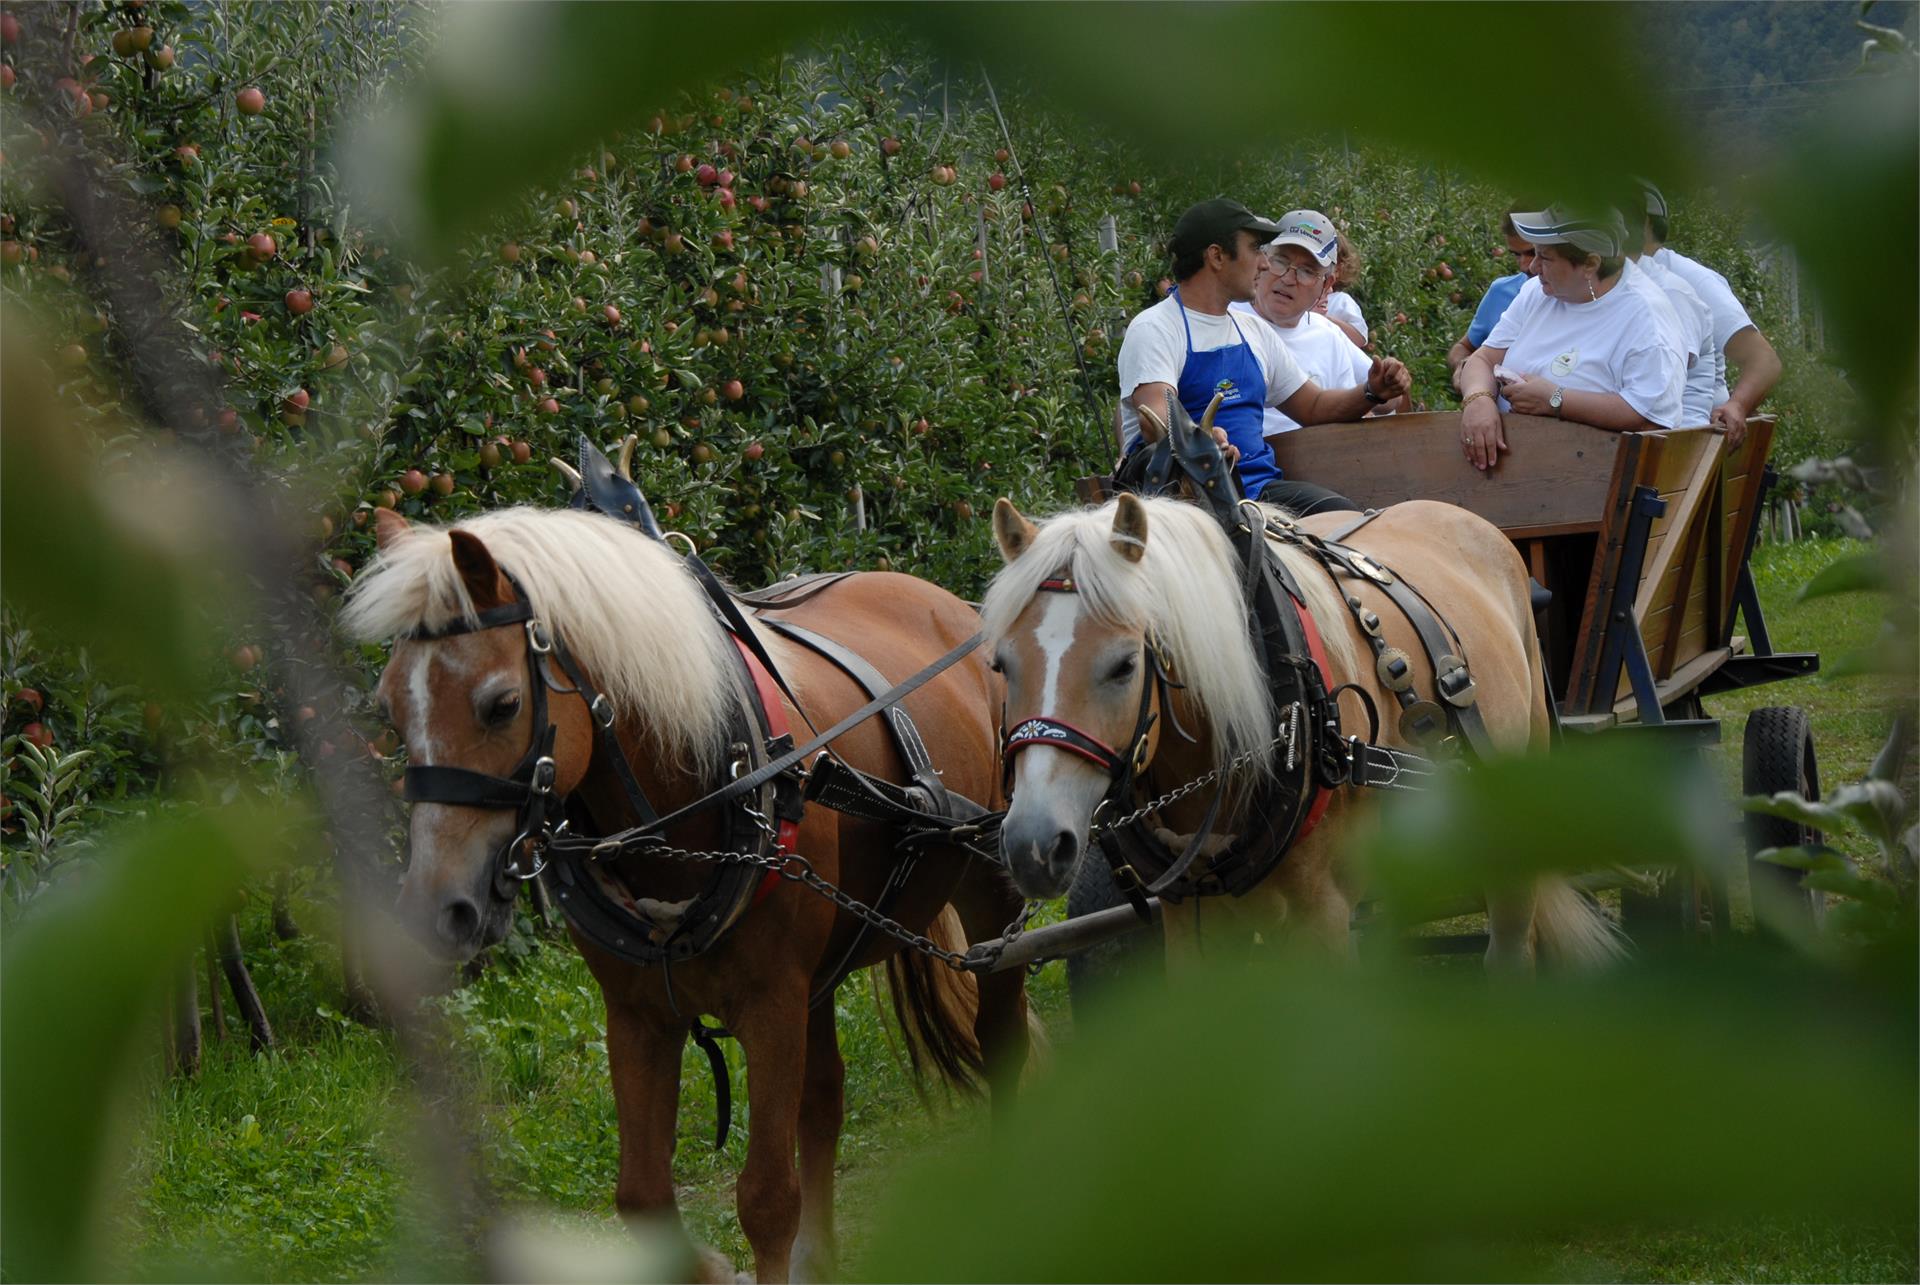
(442, 483)
(413, 481)
(549, 406)
(261, 247)
(996, 180)
(706, 175)
(841, 151)
(37, 734)
(520, 451)
(612, 315)
(510, 252)
(250, 101)
(30, 697)
(297, 400)
(752, 451)
(299, 302)
(733, 390)
(890, 146)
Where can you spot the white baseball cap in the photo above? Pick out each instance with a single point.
(1313, 232)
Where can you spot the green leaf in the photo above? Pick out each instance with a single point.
(84, 976)
(1862, 573)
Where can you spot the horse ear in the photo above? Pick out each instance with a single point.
(1011, 529)
(477, 569)
(1129, 538)
(389, 528)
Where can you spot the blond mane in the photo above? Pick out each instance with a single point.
(1186, 590)
(625, 606)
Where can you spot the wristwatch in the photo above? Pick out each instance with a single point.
(1559, 395)
(1371, 396)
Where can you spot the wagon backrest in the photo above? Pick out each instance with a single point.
(1683, 596)
(1567, 488)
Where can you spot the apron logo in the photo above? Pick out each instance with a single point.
(1227, 386)
(1563, 364)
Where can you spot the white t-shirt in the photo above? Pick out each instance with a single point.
(1618, 343)
(1155, 351)
(1729, 317)
(1341, 307)
(1323, 350)
(1706, 364)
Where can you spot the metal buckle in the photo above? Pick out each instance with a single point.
(1127, 879)
(538, 838)
(602, 710)
(1140, 755)
(537, 640)
(1394, 670)
(1371, 569)
(544, 773)
(670, 536)
(1455, 683)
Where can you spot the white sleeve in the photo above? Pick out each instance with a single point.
(1729, 316)
(1513, 322)
(1151, 353)
(1284, 375)
(1357, 360)
(1653, 380)
(1340, 305)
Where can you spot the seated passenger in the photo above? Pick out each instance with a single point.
(1293, 280)
(1741, 343)
(1337, 305)
(1189, 345)
(1580, 341)
(1493, 304)
(1706, 368)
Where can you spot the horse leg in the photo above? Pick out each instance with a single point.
(772, 1033)
(643, 1054)
(822, 1113)
(1510, 930)
(1000, 1027)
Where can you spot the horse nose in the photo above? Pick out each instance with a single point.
(457, 924)
(1041, 859)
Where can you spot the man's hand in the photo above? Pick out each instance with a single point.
(1731, 416)
(1227, 448)
(1531, 396)
(1388, 378)
(1483, 434)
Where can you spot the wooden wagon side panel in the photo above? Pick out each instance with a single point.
(1636, 456)
(1688, 480)
(1552, 480)
(1742, 478)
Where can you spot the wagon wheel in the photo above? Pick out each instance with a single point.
(1093, 971)
(1779, 756)
(1685, 906)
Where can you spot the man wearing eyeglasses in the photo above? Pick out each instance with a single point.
(1191, 346)
(1287, 293)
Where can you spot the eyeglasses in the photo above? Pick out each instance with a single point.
(1287, 270)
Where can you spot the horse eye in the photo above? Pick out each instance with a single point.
(504, 709)
(1124, 669)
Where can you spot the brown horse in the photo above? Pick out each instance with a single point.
(632, 618)
(1160, 572)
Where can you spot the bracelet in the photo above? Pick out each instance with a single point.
(1372, 397)
(1472, 396)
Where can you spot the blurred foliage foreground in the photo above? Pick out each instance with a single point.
(1278, 1120)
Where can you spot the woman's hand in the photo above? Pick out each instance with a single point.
(1483, 435)
(1532, 395)
(1228, 450)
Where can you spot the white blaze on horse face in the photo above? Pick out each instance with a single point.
(1058, 623)
(420, 747)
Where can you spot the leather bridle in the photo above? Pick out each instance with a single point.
(528, 789)
(1123, 767)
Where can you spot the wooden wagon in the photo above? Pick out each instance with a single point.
(1644, 540)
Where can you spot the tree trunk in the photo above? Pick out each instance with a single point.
(186, 1021)
(245, 997)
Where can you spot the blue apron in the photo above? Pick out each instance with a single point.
(1236, 372)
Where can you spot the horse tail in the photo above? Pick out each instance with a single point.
(1572, 929)
(935, 1007)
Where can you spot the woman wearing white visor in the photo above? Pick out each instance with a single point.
(1580, 341)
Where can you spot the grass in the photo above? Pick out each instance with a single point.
(298, 1165)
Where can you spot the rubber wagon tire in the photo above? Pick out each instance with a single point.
(1092, 972)
(1778, 756)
